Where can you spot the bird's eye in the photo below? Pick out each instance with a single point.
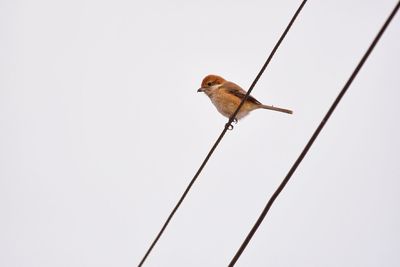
(209, 83)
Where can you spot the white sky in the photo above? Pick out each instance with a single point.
(101, 130)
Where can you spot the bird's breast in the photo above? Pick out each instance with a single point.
(227, 104)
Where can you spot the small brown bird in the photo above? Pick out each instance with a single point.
(226, 97)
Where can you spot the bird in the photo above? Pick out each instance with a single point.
(226, 97)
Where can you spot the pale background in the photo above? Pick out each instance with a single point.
(102, 129)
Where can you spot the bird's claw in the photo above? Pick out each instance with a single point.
(229, 126)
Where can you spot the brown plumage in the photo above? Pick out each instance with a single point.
(226, 97)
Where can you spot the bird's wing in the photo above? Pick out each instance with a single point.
(237, 91)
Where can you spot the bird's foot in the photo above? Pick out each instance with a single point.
(229, 126)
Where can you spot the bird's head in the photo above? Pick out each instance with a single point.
(210, 83)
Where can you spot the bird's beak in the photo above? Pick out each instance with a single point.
(200, 89)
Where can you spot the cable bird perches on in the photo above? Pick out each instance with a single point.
(228, 125)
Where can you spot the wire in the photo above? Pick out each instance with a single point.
(227, 126)
(312, 139)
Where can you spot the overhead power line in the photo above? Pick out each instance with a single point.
(227, 126)
(313, 138)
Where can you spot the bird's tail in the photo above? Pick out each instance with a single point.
(277, 109)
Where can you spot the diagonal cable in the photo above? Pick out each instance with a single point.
(231, 119)
(312, 139)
